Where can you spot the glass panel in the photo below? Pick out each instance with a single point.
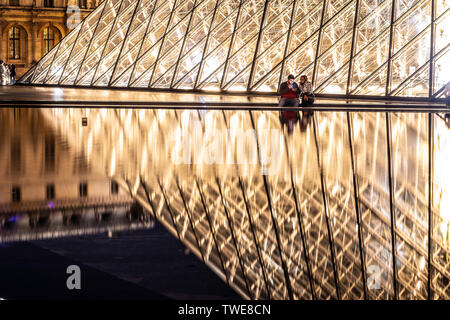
(440, 233)
(371, 166)
(411, 25)
(276, 170)
(410, 183)
(441, 69)
(410, 59)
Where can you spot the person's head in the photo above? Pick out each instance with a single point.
(1, 62)
(291, 78)
(303, 79)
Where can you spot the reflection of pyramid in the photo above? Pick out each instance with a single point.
(252, 44)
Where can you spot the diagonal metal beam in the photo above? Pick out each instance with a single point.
(430, 199)
(53, 59)
(250, 221)
(357, 205)
(133, 66)
(352, 51)
(391, 205)
(274, 222)
(258, 43)
(432, 49)
(233, 38)
(213, 234)
(319, 39)
(205, 49)
(330, 234)
(391, 49)
(125, 38)
(118, 13)
(166, 201)
(255, 238)
(233, 236)
(190, 220)
(288, 43)
(71, 50)
(90, 43)
(169, 21)
(87, 49)
(300, 224)
(183, 44)
(306, 43)
(144, 186)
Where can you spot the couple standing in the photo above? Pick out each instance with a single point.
(7, 73)
(290, 93)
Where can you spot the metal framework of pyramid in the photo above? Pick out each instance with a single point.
(355, 207)
(363, 47)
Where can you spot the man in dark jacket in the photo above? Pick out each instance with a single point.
(289, 91)
(12, 74)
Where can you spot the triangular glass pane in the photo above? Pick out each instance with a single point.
(249, 17)
(145, 63)
(411, 25)
(212, 72)
(239, 82)
(309, 24)
(190, 61)
(81, 45)
(368, 60)
(401, 6)
(441, 70)
(333, 59)
(268, 60)
(409, 60)
(300, 59)
(165, 78)
(375, 22)
(61, 57)
(337, 84)
(213, 80)
(69, 79)
(270, 82)
(417, 85)
(442, 36)
(333, 7)
(341, 26)
(87, 79)
(441, 7)
(374, 85)
(123, 80)
(372, 7)
(188, 80)
(182, 10)
(26, 78)
(43, 66)
(241, 60)
(116, 37)
(104, 79)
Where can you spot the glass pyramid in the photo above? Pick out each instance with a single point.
(363, 47)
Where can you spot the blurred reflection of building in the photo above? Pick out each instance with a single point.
(48, 191)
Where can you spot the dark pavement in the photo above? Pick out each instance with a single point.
(142, 264)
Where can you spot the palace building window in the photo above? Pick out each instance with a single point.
(48, 3)
(82, 4)
(14, 2)
(49, 39)
(14, 43)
